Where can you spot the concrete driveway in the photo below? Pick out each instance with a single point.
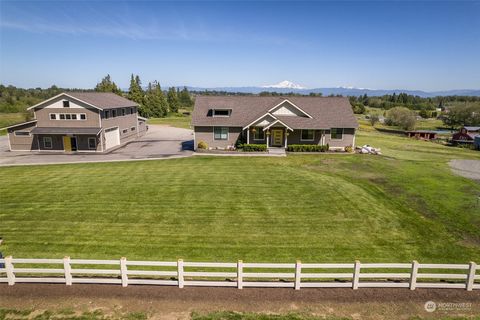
(159, 143)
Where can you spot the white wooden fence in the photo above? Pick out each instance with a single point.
(288, 275)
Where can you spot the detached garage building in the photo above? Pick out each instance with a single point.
(78, 122)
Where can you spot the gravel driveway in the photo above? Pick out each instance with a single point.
(160, 142)
(466, 168)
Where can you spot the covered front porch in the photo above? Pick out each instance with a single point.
(274, 135)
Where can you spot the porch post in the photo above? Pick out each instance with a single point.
(286, 130)
(248, 135)
(268, 138)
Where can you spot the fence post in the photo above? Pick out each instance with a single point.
(298, 274)
(123, 271)
(180, 273)
(67, 269)
(9, 269)
(356, 275)
(472, 271)
(240, 274)
(413, 275)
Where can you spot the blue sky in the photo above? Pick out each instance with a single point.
(380, 44)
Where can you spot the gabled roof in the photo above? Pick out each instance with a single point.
(19, 124)
(97, 100)
(472, 128)
(325, 112)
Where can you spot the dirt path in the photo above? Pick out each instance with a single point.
(466, 168)
(173, 303)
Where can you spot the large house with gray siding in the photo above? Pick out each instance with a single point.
(78, 122)
(220, 121)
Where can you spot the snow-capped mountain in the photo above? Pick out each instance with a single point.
(285, 85)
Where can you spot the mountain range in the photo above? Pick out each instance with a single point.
(288, 87)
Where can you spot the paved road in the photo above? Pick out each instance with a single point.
(160, 142)
(466, 168)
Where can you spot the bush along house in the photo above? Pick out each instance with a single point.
(78, 122)
(219, 122)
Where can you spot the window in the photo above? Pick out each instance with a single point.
(83, 116)
(129, 110)
(66, 104)
(220, 133)
(124, 130)
(133, 128)
(222, 112)
(259, 134)
(47, 142)
(22, 133)
(114, 113)
(62, 116)
(92, 143)
(308, 135)
(123, 111)
(107, 114)
(336, 134)
(68, 116)
(74, 116)
(53, 116)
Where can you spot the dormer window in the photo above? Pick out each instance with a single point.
(222, 112)
(66, 104)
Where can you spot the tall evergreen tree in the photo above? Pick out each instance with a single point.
(185, 98)
(155, 101)
(107, 85)
(135, 93)
(172, 100)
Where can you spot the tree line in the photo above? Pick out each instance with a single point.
(153, 101)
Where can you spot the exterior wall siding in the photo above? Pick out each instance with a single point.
(57, 142)
(43, 118)
(347, 139)
(295, 137)
(206, 134)
(22, 143)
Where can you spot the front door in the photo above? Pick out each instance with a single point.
(67, 144)
(277, 137)
(73, 143)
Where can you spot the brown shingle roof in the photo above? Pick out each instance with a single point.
(326, 112)
(103, 100)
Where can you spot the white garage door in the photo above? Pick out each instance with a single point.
(112, 137)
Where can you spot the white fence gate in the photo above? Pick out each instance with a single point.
(240, 274)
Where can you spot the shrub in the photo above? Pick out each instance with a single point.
(402, 117)
(307, 148)
(349, 149)
(254, 147)
(202, 145)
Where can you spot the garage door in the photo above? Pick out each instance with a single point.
(112, 137)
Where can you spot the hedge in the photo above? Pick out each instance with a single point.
(254, 147)
(307, 148)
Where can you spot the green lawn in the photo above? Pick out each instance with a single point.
(401, 206)
(173, 120)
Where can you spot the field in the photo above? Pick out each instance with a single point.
(174, 120)
(401, 206)
(7, 119)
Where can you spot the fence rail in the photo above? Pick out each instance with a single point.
(288, 275)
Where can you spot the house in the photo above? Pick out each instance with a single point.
(78, 121)
(466, 134)
(220, 121)
(422, 134)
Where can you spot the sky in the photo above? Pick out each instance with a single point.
(429, 45)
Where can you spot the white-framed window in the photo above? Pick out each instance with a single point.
(124, 130)
(61, 116)
(307, 135)
(47, 142)
(133, 128)
(336, 133)
(221, 112)
(66, 104)
(22, 133)
(123, 111)
(107, 114)
(259, 134)
(53, 116)
(114, 113)
(68, 116)
(220, 133)
(83, 116)
(92, 143)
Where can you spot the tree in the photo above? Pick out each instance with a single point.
(462, 115)
(155, 102)
(135, 93)
(402, 117)
(172, 100)
(374, 119)
(423, 113)
(185, 99)
(107, 85)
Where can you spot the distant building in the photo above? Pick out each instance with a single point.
(422, 134)
(466, 135)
